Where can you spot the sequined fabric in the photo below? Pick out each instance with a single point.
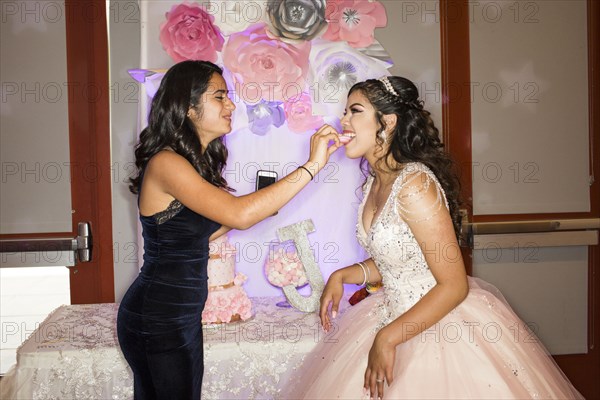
(391, 244)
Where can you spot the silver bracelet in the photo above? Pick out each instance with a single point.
(367, 273)
(362, 266)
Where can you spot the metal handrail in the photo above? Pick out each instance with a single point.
(33, 245)
(81, 246)
(486, 230)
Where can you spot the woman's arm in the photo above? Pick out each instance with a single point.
(220, 232)
(332, 294)
(169, 175)
(354, 273)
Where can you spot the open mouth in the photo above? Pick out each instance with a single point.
(346, 137)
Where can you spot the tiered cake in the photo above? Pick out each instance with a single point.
(227, 301)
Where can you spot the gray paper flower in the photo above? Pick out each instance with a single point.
(297, 19)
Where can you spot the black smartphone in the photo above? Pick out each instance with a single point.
(265, 178)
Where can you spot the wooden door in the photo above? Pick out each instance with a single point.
(86, 165)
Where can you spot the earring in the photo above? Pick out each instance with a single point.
(383, 135)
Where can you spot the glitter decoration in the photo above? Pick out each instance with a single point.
(298, 233)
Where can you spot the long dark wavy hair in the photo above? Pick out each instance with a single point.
(415, 137)
(169, 126)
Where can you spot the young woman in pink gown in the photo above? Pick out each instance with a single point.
(432, 332)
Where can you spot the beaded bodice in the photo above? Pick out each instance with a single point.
(391, 243)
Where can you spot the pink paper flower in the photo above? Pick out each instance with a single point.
(354, 21)
(298, 112)
(190, 34)
(265, 68)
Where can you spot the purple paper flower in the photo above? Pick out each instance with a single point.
(264, 114)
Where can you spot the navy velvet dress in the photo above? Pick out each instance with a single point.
(159, 324)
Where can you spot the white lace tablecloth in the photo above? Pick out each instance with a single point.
(74, 354)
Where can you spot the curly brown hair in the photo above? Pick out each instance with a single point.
(415, 137)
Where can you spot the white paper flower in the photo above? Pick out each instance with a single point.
(335, 67)
(236, 15)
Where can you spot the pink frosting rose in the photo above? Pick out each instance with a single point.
(209, 316)
(190, 34)
(354, 21)
(298, 112)
(246, 310)
(265, 68)
(239, 279)
(222, 302)
(224, 315)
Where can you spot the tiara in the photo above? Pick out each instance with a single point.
(388, 86)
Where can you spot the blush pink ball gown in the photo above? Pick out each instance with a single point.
(480, 350)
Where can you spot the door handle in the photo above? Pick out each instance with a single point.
(85, 242)
(21, 252)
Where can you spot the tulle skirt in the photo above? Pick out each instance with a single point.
(480, 350)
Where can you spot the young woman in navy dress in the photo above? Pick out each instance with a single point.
(184, 202)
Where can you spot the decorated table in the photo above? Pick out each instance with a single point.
(74, 354)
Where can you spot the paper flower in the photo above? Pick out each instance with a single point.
(284, 268)
(189, 34)
(354, 21)
(264, 114)
(298, 112)
(296, 19)
(236, 15)
(263, 67)
(151, 79)
(336, 66)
